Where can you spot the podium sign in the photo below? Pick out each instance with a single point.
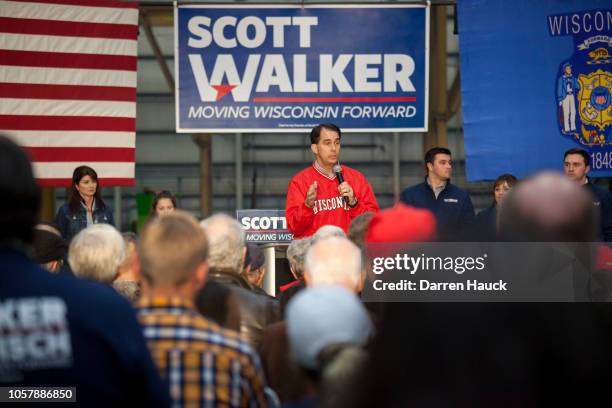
(265, 226)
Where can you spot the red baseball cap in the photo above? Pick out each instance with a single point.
(402, 223)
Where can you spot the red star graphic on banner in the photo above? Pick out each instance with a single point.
(223, 90)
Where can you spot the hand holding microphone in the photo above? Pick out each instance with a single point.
(344, 188)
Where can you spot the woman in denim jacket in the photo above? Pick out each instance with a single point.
(85, 206)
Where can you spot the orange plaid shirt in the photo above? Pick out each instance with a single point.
(203, 364)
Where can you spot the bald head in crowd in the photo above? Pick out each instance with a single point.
(334, 261)
(226, 242)
(548, 207)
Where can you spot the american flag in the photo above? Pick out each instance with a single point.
(68, 86)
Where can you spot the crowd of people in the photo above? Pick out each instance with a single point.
(177, 315)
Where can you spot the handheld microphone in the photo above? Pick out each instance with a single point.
(340, 178)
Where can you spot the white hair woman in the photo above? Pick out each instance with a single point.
(96, 252)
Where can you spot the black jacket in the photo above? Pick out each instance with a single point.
(256, 311)
(601, 200)
(485, 225)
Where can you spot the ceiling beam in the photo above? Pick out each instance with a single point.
(161, 61)
(162, 16)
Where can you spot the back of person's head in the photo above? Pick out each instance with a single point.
(226, 242)
(20, 195)
(322, 317)
(254, 258)
(128, 288)
(126, 281)
(96, 252)
(254, 263)
(129, 238)
(328, 231)
(296, 255)
(359, 228)
(334, 261)
(49, 248)
(125, 270)
(171, 248)
(548, 207)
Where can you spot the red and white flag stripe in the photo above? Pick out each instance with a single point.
(68, 86)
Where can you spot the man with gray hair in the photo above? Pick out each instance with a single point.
(334, 261)
(296, 254)
(227, 250)
(328, 231)
(96, 252)
(359, 229)
(227, 242)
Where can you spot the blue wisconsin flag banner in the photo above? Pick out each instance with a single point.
(536, 80)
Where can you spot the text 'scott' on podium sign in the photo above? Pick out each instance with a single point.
(265, 226)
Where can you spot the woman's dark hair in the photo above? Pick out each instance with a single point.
(504, 178)
(158, 196)
(75, 199)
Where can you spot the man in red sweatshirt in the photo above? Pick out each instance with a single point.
(316, 198)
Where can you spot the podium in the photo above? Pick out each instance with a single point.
(268, 228)
(275, 275)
